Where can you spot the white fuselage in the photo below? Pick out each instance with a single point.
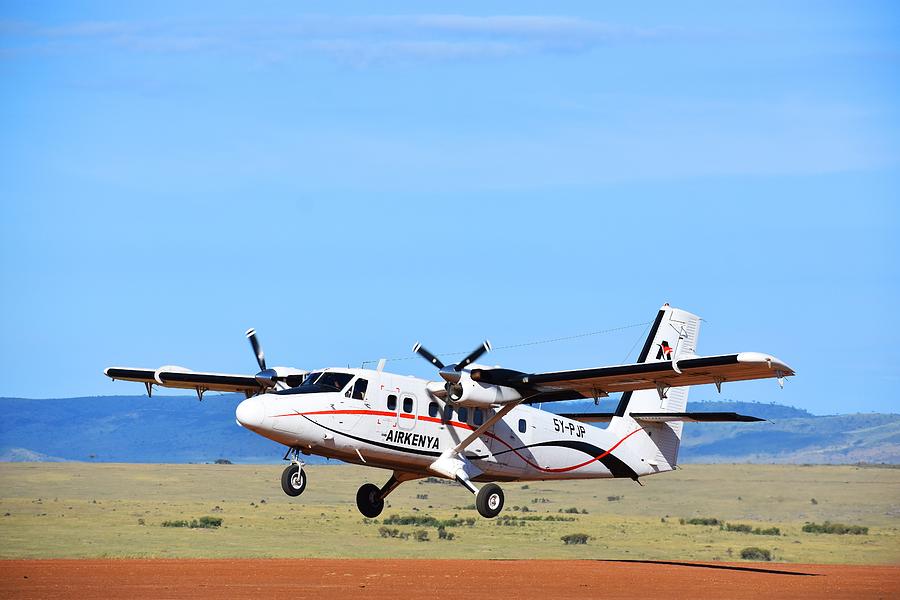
(397, 424)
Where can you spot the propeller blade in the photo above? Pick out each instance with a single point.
(475, 355)
(418, 349)
(260, 357)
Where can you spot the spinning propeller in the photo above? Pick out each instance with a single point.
(266, 377)
(452, 373)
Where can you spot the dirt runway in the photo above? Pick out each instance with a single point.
(425, 579)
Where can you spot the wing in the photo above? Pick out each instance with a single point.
(660, 417)
(602, 381)
(177, 377)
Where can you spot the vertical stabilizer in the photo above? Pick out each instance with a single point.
(672, 337)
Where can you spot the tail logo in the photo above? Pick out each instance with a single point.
(665, 351)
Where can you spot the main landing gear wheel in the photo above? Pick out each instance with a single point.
(489, 501)
(293, 480)
(368, 500)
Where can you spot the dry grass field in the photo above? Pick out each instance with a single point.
(75, 510)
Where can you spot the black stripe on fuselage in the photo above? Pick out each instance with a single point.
(616, 466)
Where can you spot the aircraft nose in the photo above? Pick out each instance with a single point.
(251, 413)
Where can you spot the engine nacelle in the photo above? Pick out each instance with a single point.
(472, 393)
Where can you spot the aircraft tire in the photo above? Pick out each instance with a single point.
(293, 480)
(367, 500)
(489, 501)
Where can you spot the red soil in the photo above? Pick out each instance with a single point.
(425, 579)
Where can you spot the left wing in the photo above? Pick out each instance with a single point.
(177, 377)
(602, 381)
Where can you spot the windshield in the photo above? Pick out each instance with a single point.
(319, 382)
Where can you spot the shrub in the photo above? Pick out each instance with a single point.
(223, 461)
(510, 521)
(835, 528)
(207, 522)
(427, 521)
(181, 523)
(387, 532)
(740, 528)
(420, 535)
(572, 510)
(700, 521)
(613, 498)
(201, 523)
(575, 538)
(754, 553)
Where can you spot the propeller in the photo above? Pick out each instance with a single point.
(266, 377)
(451, 373)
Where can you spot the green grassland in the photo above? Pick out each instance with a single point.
(93, 510)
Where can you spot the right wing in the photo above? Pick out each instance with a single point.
(665, 417)
(178, 377)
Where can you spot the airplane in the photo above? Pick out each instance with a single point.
(479, 424)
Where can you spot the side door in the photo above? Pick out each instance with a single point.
(350, 408)
(407, 413)
(508, 439)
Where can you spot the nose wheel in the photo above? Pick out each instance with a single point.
(293, 480)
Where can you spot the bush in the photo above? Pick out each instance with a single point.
(428, 521)
(223, 461)
(207, 523)
(754, 553)
(700, 521)
(769, 531)
(835, 528)
(571, 511)
(181, 523)
(741, 528)
(420, 535)
(575, 538)
(613, 498)
(201, 523)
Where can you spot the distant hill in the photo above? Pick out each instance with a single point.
(179, 429)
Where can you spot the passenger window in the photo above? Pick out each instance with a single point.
(407, 404)
(433, 409)
(392, 402)
(359, 389)
(479, 416)
(463, 414)
(522, 426)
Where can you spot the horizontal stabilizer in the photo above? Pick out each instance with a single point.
(665, 417)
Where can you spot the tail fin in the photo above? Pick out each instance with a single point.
(673, 336)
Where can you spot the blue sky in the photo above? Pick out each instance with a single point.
(350, 181)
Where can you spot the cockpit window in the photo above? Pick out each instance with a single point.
(319, 382)
(334, 380)
(359, 389)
